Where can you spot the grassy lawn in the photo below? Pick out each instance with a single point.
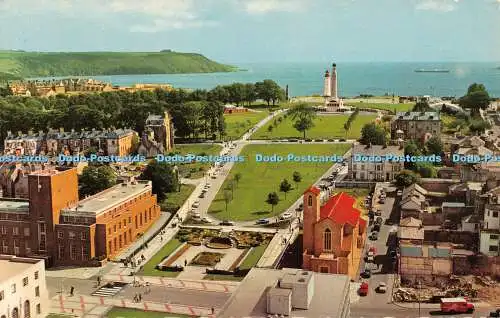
(197, 169)
(398, 107)
(117, 312)
(175, 200)
(167, 249)
(237, 124)
(260, 178)
(253, 257)
(325, 127)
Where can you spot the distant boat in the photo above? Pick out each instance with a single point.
(435, 70)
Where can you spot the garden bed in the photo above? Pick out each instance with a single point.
(207, 259)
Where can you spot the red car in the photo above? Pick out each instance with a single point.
(363, 289)
(372, 249)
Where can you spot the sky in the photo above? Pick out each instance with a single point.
(245, 31)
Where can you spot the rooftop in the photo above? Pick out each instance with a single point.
(417, 116)
(453, 205)
(250, 299)
(14, 205)
(377, 150)
(109, 198)
(11, 266)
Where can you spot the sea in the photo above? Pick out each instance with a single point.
(306, 79)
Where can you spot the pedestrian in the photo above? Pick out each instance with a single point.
(212, 310)
(140, 296)
(98, 280)
(135, 298)
(71, 291)
(185, 262)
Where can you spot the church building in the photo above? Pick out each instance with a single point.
(333, 235)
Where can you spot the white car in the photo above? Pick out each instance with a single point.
(196, 215)
(286, 215)
(382, 287)
(206, 220)
(196, 204)
(214, 176)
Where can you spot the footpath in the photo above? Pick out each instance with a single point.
(94, 306)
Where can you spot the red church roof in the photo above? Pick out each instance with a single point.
(313, 189)
(340, 210)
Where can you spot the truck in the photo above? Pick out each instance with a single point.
(456, 305)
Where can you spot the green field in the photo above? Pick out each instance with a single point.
(39, 64)
(117, 312)
(239, 123)
(175, 200)
(325, 127)
(167, 249)
(253, 257)
(197, 169)
(259, 179)
(398, 107)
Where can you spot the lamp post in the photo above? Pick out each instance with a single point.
(418, 296)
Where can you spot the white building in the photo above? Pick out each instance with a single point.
(367, 163)
(23, 292)
(330, 91)
(490, 234)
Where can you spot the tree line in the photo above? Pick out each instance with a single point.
(197, 113)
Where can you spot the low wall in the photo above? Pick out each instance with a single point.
(169, 260)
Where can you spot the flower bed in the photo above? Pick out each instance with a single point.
(207, 259)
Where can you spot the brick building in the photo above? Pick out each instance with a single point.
(334, 234)
(416, 126)
(53, 224)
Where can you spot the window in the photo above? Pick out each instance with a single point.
(85, 252)
(36, 275)
(15, 230)
(84, 236)
(13, 288)
(493, 248)
(41, 227)
(71, 235)
(310, 201)
(495, 214)
(4, 230)
(37, 291)
(323, 269)
(72, 251)
(327, 240)
(60, 234)
(114, 228)
(110, 247)
(129, 220)
(26, 231)
(493, 237)
(25, 281)
(38, 309)
(1, 295)
(60, 251)
(42, 244)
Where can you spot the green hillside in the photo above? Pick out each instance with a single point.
(40, 64)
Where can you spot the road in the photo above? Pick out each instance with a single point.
(387, 311)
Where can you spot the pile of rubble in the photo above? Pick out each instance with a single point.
(454, 287)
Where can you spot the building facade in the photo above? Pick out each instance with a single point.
(416, 126)
(374, 170)
(23, 291)
(111, 142)
(54, 225)
(334, 234)
(158, 135)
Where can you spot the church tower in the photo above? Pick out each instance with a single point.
(311, 215)
(326, 86)
(333, 84)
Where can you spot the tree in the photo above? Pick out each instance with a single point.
(411, 149)
(285, 186)
(227, 198)
(477, 97)
(297, 178)
(478, 126)
(426, 169)
(373, 134)
(269, 91)
(95, 179)
(303, 115)
(406, 178)
(434, 146)
(272, 199)
(270, 128)
(422, 106)
(163, 178)
(237, 178)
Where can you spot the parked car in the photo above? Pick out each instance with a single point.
(456, 305)
(363, 289)
(399, 193)
(196, 215)
(202, 195)
(367, 273)
(379, 220)
(226, 223)
(374, 236)
(196, 204)
(206, 220)
(342, 140)
(286, 215)
(495, 313)
(214, 176)
(378, 212)
(372, 249)
(382, 287)
(376, 228)
(381, 200)
(262, 221)
(370, 259)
